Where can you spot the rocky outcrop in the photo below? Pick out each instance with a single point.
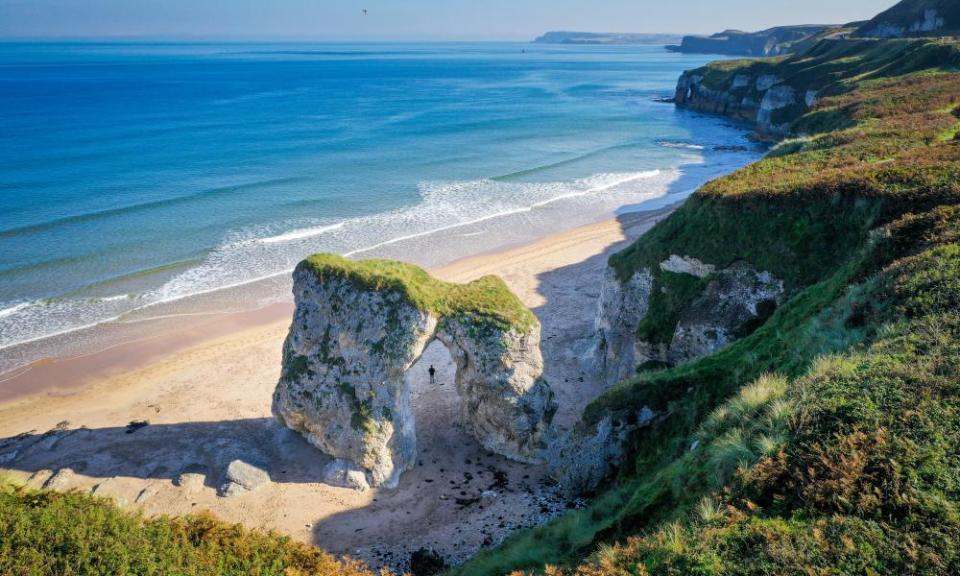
(751, 98)
(358, 327)
(774, 99)
(242, 477)
(771, 42)
(693, 92)
(60, 481)
(345, 474)
(734, 301)
(621, 308)
(687, 265)
(585, 457)
(192, 478)
(505, 402)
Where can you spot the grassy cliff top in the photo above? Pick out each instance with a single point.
(887, 130)
(486, 300)
(882, 140)
(838, 64)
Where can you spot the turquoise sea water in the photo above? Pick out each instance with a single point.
(138, 178)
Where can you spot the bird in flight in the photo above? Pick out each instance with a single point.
(364, 11)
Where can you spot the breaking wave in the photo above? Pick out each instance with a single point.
(257, 254)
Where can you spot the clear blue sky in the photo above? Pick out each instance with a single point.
(407, 19)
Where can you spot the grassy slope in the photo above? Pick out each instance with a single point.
(486, 299)
(845, 460)
(818, 195)
(51, 534)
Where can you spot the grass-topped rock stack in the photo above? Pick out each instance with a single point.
(360, 325)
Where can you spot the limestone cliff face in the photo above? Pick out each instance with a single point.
(342, 384)
(751, 98)
(734, 101)
(771, 42)
(583, 458)
(621, 308)
(733, 301)
(505, 403)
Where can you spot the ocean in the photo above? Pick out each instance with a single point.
(141, 180)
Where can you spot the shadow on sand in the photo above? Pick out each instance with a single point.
(164, 451)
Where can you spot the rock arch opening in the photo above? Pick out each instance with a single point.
(436, 405)
(358, 330)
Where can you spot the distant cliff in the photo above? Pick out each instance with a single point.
(772, 93)
(915, 18)
(564, 37)
(772, 42)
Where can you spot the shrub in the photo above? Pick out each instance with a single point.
(48, 533)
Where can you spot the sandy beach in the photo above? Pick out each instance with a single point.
(204, 389)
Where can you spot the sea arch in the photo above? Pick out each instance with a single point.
(360, 325)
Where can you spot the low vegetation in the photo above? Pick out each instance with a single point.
(52, 534)
(486, 300)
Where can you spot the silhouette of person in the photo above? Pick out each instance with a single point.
(433, 375)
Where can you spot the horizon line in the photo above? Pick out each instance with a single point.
(244, 38)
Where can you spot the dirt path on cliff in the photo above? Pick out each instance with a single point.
(208, 404)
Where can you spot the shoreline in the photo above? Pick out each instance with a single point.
(57, 376)
(204, 394)
(31, 342)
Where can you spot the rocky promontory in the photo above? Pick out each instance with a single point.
(771, 42)
(722, 306)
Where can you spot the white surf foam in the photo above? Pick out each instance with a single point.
(682, 145)
(300, 234)
(13, 309)
(116, 298)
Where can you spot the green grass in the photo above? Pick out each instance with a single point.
(486, 300)
(52, 534)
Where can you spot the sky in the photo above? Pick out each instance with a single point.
(407, 19)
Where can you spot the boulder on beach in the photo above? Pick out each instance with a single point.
(345, 474)
(243, 477)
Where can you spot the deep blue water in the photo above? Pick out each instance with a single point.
(133, 175)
